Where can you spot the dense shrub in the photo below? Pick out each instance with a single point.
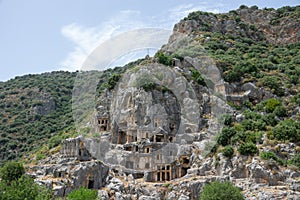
(254, 137)
(217, 190)
(271, 82)
(280, 111)
(82, 194)
(248, 148)
(29, 129)
(268, 155)
(228, 151)
(247, 136)
(254, 125)
(271, 155)
(148, 86)
(287, 130)
(228, 119)
(269, 119)
(163, 58)
(252, 115)
(113, 80)
(232, 76)
(225, 136)
(271, 104)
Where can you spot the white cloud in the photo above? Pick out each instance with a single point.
(183, 10)
(86, 39)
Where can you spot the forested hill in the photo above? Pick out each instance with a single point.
(34, 108)
(36, 112)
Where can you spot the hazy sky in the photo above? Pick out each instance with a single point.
(46, 35)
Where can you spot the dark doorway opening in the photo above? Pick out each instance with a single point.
(91, 184)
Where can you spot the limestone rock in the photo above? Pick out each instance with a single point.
(103, 195)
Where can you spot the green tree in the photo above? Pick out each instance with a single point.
(220, 191)
(24, 188)
(12, 171)
(82, 194)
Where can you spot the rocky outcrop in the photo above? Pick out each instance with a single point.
(277, 30)
(245, 22)
(44, 106)
(66, 175)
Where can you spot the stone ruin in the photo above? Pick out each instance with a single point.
(74, 148)
(240, 94)
(147, 133)
(74, 168)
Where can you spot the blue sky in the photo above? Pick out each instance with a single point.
(38, 36)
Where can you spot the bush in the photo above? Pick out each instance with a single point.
(268, 155)
(271, 104)
(12, 171)
(287, 130)
(82, 194)
(196, 76)
(243, 7)
(271, 155)
(113, 80)
(228, 151)
(228, 120)
(225, 136)
(232, 76)
(253, 125)
(163, 58)
(248, 148)
(252, 115)
(254, 137)
(217, 190)
(295, 160)
(149, 86)
(269, 119)
(280, 111)
(247, 136)
(271, 82)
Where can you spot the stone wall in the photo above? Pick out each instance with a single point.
(74, 147)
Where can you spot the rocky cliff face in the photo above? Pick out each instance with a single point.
(163, 129)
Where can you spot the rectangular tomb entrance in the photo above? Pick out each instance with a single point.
(163, 173)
